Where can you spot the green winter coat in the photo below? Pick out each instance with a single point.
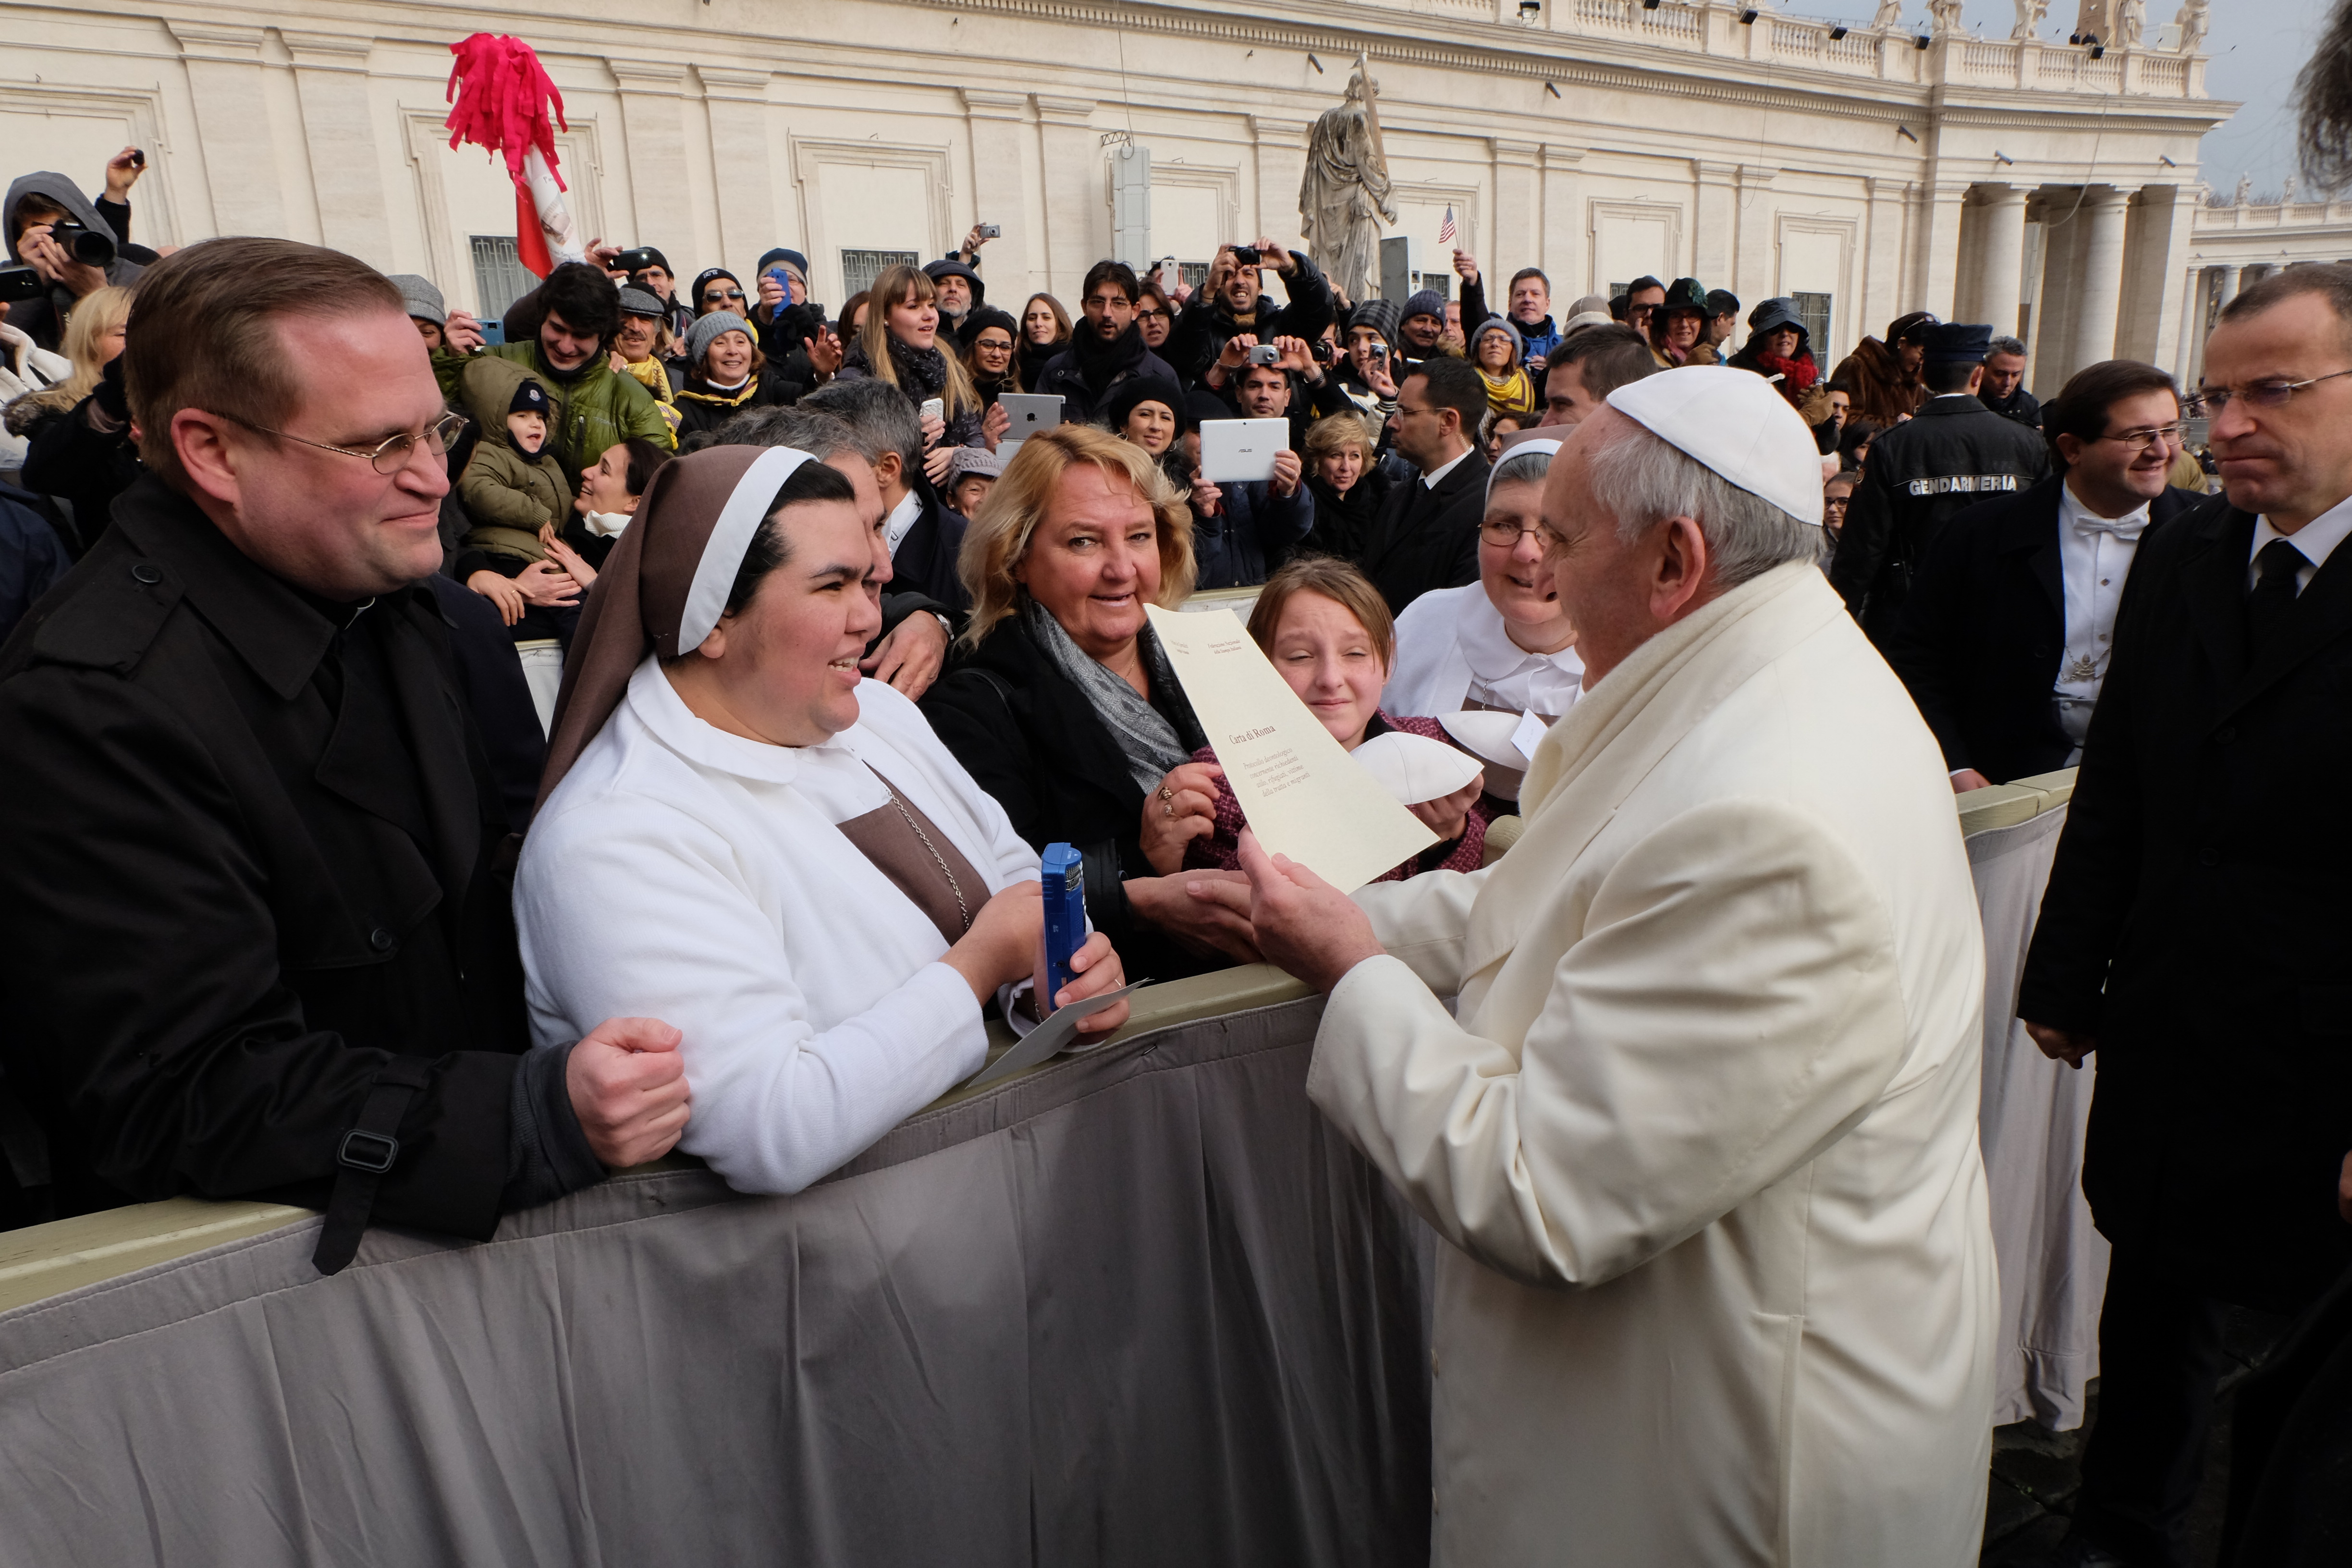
(507, 495)
(594, 410)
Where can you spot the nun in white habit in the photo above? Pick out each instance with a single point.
(1503, 642)
(739, 834)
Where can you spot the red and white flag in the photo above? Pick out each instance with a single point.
(1445, 229)
(499, 97)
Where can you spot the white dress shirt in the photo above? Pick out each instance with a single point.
(1439, 472)
(2315, 539)
(2094, 555)
(902, 518)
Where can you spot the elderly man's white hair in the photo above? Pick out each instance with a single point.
(1643, 481)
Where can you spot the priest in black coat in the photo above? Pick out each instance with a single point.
(1426, 535)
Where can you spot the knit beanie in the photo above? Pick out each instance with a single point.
(1427, 302)
(530, 397)
(1143, 389)
(1499, 324)
(1382, 315)
(705, 329)
(421, 298)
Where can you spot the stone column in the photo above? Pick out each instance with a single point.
(2228, 289)
(2192, 301)
(1281, 165)
(1755, 258)
(224, 67)
(330, 78)
(2000, 262)
(653, 124)
(1565, 257)
(1012, 262)
(2099, 279)
(1715, 227)
(1937, 259)
(736, 102)
(1515, 238)
(1881, 255)
(1078, 201)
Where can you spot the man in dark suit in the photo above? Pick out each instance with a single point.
(2196, 933)
(255, 930)
(1923, 474)
(2010, 624)
(1426, 535)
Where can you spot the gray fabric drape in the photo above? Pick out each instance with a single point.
(1144, 1307)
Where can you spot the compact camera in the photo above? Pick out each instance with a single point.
(1265, 353)
(1245, 255)
(638, 260)
(991, 231)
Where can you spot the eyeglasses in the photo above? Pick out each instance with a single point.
(387, 459)
(2138, 441)
(1151, 315)
(2262, 394)
(1506, 535)
(710, 294)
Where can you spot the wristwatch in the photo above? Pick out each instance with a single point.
(947, 627)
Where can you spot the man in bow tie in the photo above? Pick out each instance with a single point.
(2005, 638)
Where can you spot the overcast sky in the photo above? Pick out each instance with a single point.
(2256, 47)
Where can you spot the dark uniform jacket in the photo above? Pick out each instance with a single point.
(1952, 454)
(248, 853)
(1981, 640)
(2196, 922)
(1427, 536)
(1029, 737)
(925, 561)
(1201, 331)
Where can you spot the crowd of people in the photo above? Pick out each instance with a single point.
(449, 763)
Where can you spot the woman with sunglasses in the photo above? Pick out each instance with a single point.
(716, 289)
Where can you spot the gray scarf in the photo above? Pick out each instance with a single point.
(1147, 740)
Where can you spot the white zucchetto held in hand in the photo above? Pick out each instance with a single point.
(1735, 423)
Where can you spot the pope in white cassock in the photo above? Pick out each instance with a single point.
(1704, 1136)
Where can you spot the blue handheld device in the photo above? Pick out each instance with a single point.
(1065, 875)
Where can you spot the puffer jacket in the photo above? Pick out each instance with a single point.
(25, 366)
(508, 496)
(44, 319)
(595, 408)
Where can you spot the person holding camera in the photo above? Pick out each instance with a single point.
(1232, 301)
(1106, 347)
(74, 246)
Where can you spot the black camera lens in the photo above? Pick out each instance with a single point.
(85, 244)
(1245, 255)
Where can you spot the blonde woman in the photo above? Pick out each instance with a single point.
(78, 447)
(899, 344)
(1064, 708)
(1343, 476)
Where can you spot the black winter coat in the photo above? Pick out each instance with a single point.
(925, 561)
(1032, 738)
(248, 856)
(1200, 334)
(1979, 642)
(2196, 922)
(1952, 454)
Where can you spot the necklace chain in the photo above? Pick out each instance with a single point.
(954, 887)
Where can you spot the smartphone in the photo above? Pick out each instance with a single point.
(21, 283)
(493, 334)
(991, 231)
(933, 408)
(1170, 275)
(1064, 872)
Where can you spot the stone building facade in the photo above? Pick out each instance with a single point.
(1867, 172)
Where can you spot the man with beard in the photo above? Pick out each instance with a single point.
(1106, 349)
(1233, 301)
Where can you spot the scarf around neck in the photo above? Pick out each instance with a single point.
(1099, 363)
(1145, 738)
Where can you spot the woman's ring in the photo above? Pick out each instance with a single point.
(1168, 811)
(1167, 793)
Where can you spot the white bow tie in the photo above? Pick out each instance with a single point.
(2124, 527)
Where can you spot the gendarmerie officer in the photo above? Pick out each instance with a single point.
(1952, 454)
(255, 930)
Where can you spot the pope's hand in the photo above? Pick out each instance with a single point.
(1304, 923)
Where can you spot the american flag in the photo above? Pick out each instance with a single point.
(1446, 229)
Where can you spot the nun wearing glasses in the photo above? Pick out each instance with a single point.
(741, 835)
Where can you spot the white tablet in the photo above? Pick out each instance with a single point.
(1030, 412)
(1237, 451)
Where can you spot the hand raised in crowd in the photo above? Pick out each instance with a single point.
(1287, 471)
(1302, 922)
(910, 657)
(463, 333)
(1208, 499)
(935, 429)
(1235, 352)
(771, 294)
(575, 566)
(1466, 264)
(1377, 378)
(973, 242)
(994, 424)
(122, 171)
(1189, 907)
(2061, 1045)
(41, 251)
(546, 584)
(1272, 255)
(1184, 807)
(500, 591)
(1181, 294)
(602, 254)
(1297, 357)
(825, 351)
(1222, 268)
(1448, 815)
(627, 1085)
